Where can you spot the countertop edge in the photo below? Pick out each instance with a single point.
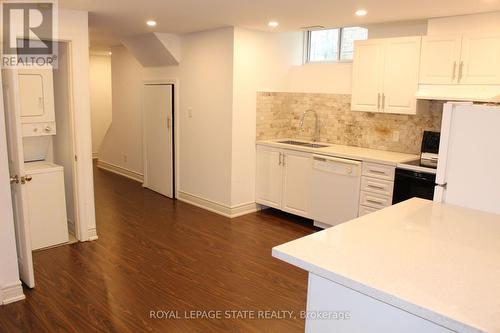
(419, 311)
(319, 151)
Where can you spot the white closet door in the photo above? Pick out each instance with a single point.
(12, 110)
(158, 138)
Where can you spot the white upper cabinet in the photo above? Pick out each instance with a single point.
(368, 68)
(480, 59)
(36, 90)
(385, 75)
(440, 59)
(402, 58)
(461, 59)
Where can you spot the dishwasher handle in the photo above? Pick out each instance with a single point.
(336, 165)
(323, 158)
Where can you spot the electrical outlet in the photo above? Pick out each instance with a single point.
(395, 136)
(190, 113)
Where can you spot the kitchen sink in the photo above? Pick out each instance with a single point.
(303, 144)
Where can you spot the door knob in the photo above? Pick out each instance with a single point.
(14, 180)
(26, 179)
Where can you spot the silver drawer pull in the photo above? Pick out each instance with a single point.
(377, 171)
(376, 187)
(375, 201)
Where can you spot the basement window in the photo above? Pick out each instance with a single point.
(333, 45)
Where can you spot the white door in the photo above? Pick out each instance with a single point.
(402, 59)
(269, 177)
(440, 59)
(158, 138)
(297, 183)
(16, 166)
(480, 59)
(368, 68)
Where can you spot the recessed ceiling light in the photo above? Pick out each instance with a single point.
(273, 24)
(361, 12)
(151, 23)
(110, 53)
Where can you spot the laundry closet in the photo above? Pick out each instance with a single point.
(48, 148)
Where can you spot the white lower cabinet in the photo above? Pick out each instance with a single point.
(283, 179)
(269, 177)
(377, 187)
(297, 169)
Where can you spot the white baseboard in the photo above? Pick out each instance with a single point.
(92, 234)
(138, 177)
(216, 207)
(12, 293)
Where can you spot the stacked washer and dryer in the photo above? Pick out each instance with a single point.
(45, 189)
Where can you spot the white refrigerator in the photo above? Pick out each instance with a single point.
(468, 172)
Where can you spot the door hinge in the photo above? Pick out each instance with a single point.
(76, 158)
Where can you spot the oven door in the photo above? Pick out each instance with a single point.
(411, 184)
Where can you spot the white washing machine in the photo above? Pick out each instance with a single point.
(46, 204)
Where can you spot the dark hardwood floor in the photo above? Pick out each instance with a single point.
(156, 254)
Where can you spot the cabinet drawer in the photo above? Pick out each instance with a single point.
(366, 210)
(375, 200)
(379, 171)
(38, 129)
(377, 186)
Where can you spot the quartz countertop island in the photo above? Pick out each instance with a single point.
(438, 262)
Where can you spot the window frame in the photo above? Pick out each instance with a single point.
(307, 47)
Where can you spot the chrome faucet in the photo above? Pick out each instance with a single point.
(317, 126)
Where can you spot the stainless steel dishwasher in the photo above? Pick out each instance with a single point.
(336, 183)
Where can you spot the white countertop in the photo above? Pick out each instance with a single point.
(437, 261)
(349, 152)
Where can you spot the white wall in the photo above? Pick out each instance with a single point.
(100, 98)
(122, 144)
(488, 22)
(217, 79)
(73, 26)
(9, 272)
(321, 78)
(205, 87)
(261, 63)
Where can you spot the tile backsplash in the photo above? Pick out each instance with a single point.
(278, 116)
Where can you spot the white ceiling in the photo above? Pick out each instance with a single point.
(111, 20)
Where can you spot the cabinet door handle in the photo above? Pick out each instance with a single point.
(279, 163)
(378, 102)
(284, 159)
(461, 71)
(453, 76)
(383, 102)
